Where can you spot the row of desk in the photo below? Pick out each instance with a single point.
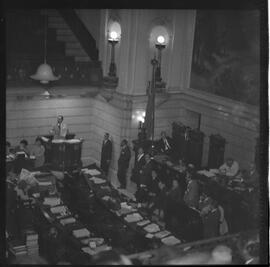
(240, 203)
(81, 237)
(128, 212)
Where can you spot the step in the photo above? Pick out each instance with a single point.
(49, 12)
(75, 52)
(66, 38)
(73, 45)
(56, 19)
(82, 59)
(58, 25)
(64, 32)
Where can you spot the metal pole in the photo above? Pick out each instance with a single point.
(154, 63)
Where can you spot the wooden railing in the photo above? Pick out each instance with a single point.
(80, 73)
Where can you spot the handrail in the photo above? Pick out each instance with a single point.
(85, 38)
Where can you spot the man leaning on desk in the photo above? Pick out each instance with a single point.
(230, 168)
(60, 130)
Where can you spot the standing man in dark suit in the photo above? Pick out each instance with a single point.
(146, 172)
(140, 161)
(142, 193)
(123, 163)
(106, 154)
(165, 143)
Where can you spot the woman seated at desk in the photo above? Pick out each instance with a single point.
(38, 152)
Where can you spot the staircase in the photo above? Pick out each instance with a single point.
(73, 47)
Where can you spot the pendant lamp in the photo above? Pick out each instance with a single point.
(44, 72)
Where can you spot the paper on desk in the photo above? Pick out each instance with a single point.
(215, 171)
(134, 217)
(152, 228)
(170, 241)
(162, 234)
(44, 183)
(92, 172)
(127, 194)
(52, 201)
(97, 180)
(45, 139)
(67, 220)
(149, 235)
(207, 173)
(106, 198)
(102, 248)
(142, 223)
(88, 250)
(98, 240)
(79, 233)
(93, 251)
(58, 209)
(28, 177)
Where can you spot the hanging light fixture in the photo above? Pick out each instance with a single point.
(44, 72)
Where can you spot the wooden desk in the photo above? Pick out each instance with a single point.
(239, 208)
(118, 198)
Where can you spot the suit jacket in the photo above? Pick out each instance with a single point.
(162, 145)
(146, 174)
(125, 155)
(59, 133)
(106, 151)
(176, 195)
(137, 168)
(192, 195)
(153, 186)
(253, 178)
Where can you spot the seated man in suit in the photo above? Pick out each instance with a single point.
(165, 143)
(106, 154)
(140, 162)
(251, 177)
(60, 130)
(38, 151)
(230, 168)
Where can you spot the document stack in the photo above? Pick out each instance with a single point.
(17, 247)
(31, 242)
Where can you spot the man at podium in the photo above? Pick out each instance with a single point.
(59, 130)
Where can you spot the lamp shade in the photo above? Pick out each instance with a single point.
(45, 74)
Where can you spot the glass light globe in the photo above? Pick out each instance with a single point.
(161, 39)
(113, 35)
(44, 74)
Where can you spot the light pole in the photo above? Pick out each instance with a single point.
(159, 45)
(113, 40)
